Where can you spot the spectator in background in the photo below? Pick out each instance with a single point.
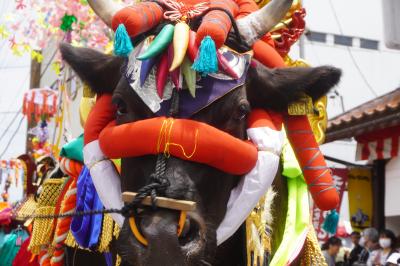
(370, 241)
(357, 248)
(330, 249)
(387, 242)
(393, 260)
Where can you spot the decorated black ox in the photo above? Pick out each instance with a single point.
(257, 87)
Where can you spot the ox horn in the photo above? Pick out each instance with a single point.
(257, 24)
(105, 9)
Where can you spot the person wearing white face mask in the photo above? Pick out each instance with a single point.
(387, 241)
(369, 240)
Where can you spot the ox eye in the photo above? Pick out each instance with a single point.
(122, 109)
(242, 111)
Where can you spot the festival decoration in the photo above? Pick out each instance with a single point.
(252, 187)
(72, 168)
(35, 23)
(67, 22)
(162, 135)
(160, 43)
(173, 51)
(43, 229)
(86, 229)
(12, 180)
(259, 229)
(360, 197)
(39, 104)
(298, 216)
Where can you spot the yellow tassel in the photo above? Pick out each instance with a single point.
(42, 230)
(106, 234)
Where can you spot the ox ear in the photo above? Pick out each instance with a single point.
(100, 71)
(276, 88)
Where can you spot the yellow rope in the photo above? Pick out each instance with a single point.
(70, 241)
(165, 137)
(106, 234)
(42, 232)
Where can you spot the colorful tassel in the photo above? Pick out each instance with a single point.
(331, 222)
(122, 42)
(206, 61)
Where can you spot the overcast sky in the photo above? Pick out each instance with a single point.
(14, 81)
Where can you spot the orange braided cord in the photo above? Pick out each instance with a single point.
(67, 206)
(44, 258)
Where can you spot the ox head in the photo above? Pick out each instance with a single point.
(272, 89)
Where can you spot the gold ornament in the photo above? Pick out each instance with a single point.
(87, 102)
(107, 232)
(258, 230)
(318, 117)
(43, 229)
(312, 254)
(319, 120)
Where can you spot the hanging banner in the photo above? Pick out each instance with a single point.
(360, 197)
(340, 176)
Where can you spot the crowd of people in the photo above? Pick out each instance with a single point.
(369, 248)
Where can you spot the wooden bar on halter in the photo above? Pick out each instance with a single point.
(162, 202)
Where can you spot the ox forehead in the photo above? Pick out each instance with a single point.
(208, 89)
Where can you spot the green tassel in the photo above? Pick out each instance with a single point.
(331, 222)
(122, 42)
(206, 61)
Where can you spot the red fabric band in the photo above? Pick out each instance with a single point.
(316, 173)
(182, 138)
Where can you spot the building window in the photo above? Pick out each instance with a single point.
(369, 44)
(343, 40)
(316, 36)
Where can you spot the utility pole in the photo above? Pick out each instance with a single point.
(34, 83)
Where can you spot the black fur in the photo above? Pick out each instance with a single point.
(275, 89)
(101, 72)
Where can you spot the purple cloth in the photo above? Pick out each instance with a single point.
(210, 90)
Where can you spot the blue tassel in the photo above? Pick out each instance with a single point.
(122, 42)
(331, 222)
(206, 61)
